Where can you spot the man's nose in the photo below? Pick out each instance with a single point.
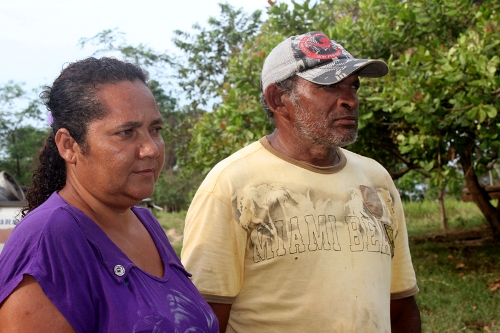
(349, 99)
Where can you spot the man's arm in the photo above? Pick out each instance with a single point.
(222, 313)
(405, 316)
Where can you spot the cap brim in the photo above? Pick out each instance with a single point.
(337, 70)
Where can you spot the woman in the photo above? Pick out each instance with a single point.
(83, 259)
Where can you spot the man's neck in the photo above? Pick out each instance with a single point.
(306, 152)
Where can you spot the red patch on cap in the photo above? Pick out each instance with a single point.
(319, 46)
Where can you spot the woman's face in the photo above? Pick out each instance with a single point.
(124, 151)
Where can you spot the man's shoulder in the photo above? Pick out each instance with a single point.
(362, 161)
(235, 166)
(240, 156)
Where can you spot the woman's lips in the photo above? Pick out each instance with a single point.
(146, 172)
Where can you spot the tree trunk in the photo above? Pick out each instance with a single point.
(444, 220)
(479, 195)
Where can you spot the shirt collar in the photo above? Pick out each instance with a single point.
(116, 262)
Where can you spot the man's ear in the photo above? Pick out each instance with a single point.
(274, 97)
(67, 146)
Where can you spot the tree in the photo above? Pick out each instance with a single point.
(437, 108)
(112, 41)
(19, 140)
(209, 49)
(442, 93)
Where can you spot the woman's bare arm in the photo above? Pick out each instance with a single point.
(29, 310)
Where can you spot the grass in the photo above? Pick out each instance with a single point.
(458, 272)
(424, 217)
(455, 282)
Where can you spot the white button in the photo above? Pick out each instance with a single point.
(119, 270)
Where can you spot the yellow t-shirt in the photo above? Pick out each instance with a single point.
(297, 248)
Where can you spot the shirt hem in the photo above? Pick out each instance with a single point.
(405, 293)
(218, 299)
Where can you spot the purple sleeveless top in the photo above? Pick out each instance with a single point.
(91, 281)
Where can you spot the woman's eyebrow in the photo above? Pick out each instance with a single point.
(158, 121)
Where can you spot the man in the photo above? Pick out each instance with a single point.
(293, 233)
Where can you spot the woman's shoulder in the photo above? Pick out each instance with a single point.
(37, 243)
(54, 213)
(53, 225)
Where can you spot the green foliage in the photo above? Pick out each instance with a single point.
(113, 41)
(299, 19)
(178, 123)
(201, 73)
(435, 111)
(175, 189)
(239, 120)
(19, 140)
(209, 49)
(410, 111)
(412, 186)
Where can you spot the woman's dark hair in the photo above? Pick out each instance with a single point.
(286, 86)
(73, 103)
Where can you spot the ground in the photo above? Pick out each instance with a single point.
(459, 237)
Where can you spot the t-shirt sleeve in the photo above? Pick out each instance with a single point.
(56, 254)
(214, 248)
(403, 279)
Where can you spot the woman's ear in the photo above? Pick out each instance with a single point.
(67, 146)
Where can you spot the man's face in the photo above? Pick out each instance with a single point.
(325, 116)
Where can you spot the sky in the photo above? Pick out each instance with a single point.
(37, 37)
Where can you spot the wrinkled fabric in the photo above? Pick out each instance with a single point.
(93, 283)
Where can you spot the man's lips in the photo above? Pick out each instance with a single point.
(347, 120)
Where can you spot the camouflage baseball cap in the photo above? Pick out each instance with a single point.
(316, 58)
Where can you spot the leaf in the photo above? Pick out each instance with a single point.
(374, 99)
(405, 149)
(494, 286)
(454, 78)
(399, 104)
(490, 110)
(482, 115)
(473, 113)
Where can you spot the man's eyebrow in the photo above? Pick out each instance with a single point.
(129, 124)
